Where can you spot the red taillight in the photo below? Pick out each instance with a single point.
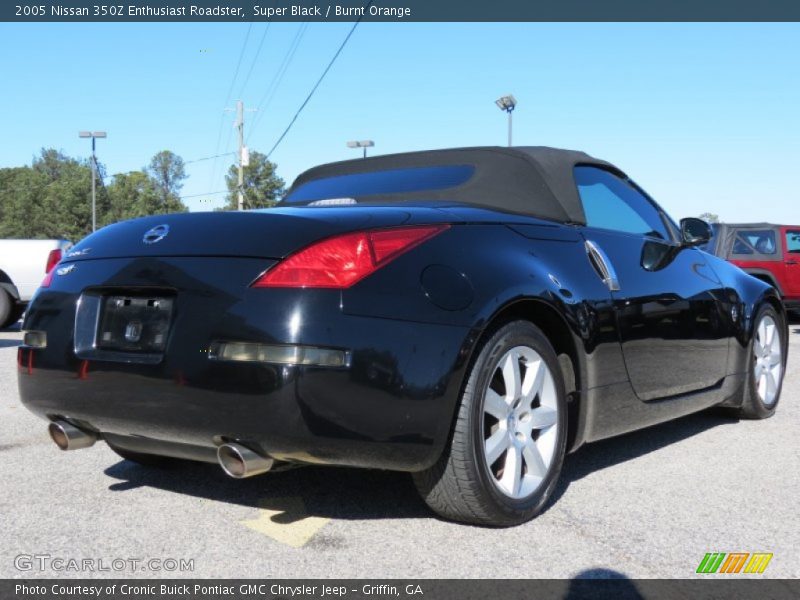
(52, 259)
(342, 261)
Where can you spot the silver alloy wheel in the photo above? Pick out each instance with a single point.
(768, 358)
(520, 418)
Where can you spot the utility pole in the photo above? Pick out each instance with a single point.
(244, 156)
(240, 126)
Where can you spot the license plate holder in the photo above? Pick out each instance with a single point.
(134, 324)
(123, 327)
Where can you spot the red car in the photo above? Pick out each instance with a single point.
(768, 252)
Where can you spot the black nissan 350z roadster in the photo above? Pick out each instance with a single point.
(468, 316)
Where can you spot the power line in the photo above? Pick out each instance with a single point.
(227, 99)
(188, 162)
(255, 59)
(238, 64)
(269, 93)
(319, 81)
(227, 151)
(205, 194)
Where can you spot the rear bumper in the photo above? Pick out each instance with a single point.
(391, 408)
(367, 415)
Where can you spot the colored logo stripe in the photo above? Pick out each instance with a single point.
(734, 562)
(711, 562)
(714, 562)
(758, 562)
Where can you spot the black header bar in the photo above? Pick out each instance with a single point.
(401, 10)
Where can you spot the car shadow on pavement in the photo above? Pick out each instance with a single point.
(608, 453)
(329, 492)
(342, 493)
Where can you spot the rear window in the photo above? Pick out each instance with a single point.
(396, 181)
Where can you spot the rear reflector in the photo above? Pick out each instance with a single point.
(344, 260)
(35, 339)
(282, 355)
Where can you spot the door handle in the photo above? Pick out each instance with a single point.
(791, 262)
(602, 265)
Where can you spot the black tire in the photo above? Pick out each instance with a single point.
(461, 486)
(16, 314)
(753, 406)
(147, 460)
(6, 309)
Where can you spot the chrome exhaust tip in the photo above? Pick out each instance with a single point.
(69, 437)
(239, 461)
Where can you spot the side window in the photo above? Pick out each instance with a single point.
(755, 241)
(612, 203)
(793, 241)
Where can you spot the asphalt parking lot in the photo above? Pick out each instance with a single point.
(648, 504)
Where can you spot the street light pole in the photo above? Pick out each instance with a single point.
(507, 104)
(94, 135)
(94, 195)
(361, 144)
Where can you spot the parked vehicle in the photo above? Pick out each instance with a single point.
(23, 263)
(468, 316)
(766, 251)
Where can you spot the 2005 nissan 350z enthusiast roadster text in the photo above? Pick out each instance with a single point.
(467, 315)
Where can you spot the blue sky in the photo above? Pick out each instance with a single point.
(703, 116)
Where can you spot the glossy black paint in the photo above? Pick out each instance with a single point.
(671, 341)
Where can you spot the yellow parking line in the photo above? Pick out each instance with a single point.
(286, 520)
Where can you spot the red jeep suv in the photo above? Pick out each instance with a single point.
(769, 252)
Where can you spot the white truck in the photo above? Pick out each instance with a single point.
(23, 265)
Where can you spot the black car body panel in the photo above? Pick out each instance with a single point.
(672, 340)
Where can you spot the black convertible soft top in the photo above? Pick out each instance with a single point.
(532, 180)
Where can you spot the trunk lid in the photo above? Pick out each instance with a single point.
(271, 233)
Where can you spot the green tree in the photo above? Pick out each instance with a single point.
(50, 199)
(20, 207)
(262, 186)
(136, 194)
(67, 198)
(167, 170)
(710, 217)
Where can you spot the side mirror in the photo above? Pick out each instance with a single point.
(695, 232)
